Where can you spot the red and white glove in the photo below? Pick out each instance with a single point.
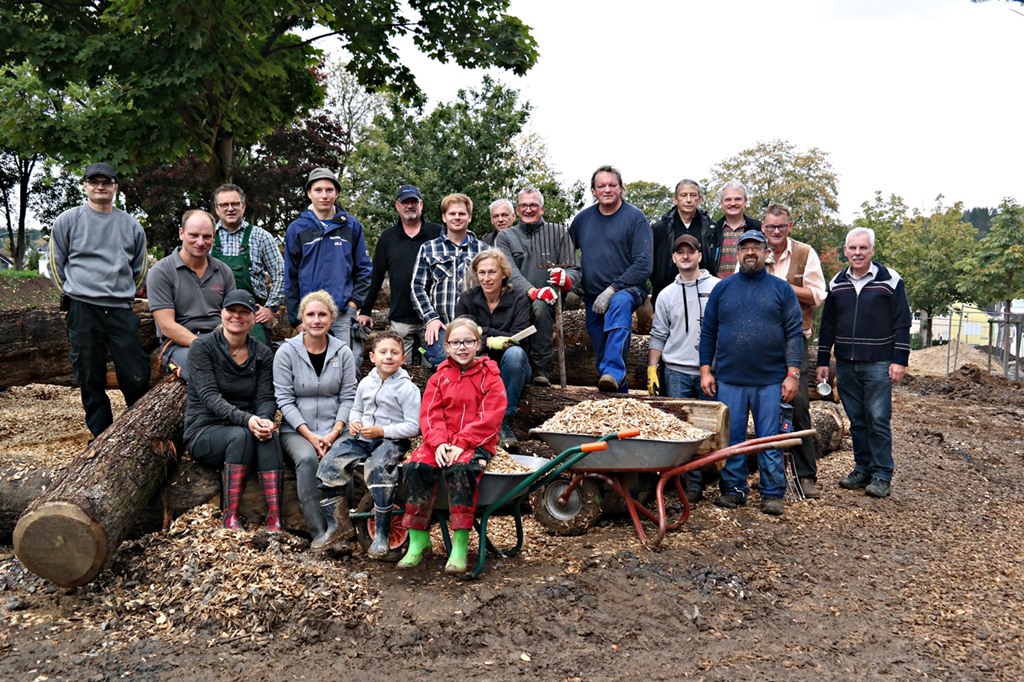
(546, 294)
(560, 278)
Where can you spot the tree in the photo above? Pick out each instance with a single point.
(981, 218)
(652, 198)
(560, 202)
(200, 76)
(886, 217)
(778, 172)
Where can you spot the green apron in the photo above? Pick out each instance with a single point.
(241, 268)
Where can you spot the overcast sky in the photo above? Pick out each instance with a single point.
(912, 97)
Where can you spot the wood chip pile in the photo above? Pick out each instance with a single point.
(502, 463)
(600, 417)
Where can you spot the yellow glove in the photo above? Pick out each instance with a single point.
(652, 380)
(500, 342)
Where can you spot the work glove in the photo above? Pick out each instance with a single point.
(560, 278)
(653, 384)
(602, 301)
(500, 342)
(546, 294)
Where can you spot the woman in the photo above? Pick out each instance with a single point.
(229, 415)
(460, 415)
(501, 313)
(315, 384)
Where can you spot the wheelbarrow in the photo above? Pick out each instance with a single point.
(571, 505)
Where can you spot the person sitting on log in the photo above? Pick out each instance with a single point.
(501, 312)
(230, 409)
(315, 383)
(462, 409)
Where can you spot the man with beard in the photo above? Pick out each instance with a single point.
(753, 334)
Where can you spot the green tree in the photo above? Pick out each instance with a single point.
(534, 162)
(981, 218)
(652, 198)
(200, 76)
(886, 217)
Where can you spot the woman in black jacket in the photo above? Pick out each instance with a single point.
(229, 416)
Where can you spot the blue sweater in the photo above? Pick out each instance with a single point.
(753, 329)
(615, 250)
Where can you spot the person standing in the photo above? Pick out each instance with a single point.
(733, 199)
(325, 250)
(615, 245)
(502, 217)
(253, 256)
(97, 262)
(866, 318)
(685, 217)
(752, 335)
(395, 258)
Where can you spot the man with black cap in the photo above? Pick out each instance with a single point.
(395, 257)
(97, 262)
(753, 333)
(325, 249)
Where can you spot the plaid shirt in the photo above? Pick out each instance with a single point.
(265, 261)
(440, 276)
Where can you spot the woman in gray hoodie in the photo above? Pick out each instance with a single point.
(315, 384)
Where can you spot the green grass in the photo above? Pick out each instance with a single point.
(19, 274)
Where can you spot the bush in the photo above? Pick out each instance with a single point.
(915, 342)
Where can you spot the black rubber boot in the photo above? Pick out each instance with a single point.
(339, 527)
(381, 545)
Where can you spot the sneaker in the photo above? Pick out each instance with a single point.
(730, 501)
(694, 495)
(541, 379)
(772, 506)
(855, 481)
(878, 488)
(810, 488)
(608, 384)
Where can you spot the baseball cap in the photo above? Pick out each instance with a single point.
(408, 192)
(756, 235)
(104, 169)
(688, 239)
(240, 297)
(322, 174)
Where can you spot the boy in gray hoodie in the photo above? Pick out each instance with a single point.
(384, 418)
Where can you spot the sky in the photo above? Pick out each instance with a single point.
(910, 97)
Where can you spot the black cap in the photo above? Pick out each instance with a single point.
(104, 169)
(687, 239)
(408, 192)
(322, 174)
(240, 297)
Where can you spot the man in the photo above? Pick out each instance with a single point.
(439, 276)
(186, 291)
(675, 335)
(252, 254)
(97, 262)
(684, 218)
(752, 333)
(395, 257)
(532, 247)
(733, 199)
(325, 249)
(615, 245)
(798, 264)
(502, 217)
(867, 317)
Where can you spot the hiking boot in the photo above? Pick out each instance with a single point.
(878, 488)
(541, 379)
(855, 481)
(772, 506)
(810, 488)
(730, 501)
(694, 495)
(608, 384)
(506, 436)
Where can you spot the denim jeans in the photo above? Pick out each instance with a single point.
(436, 352)
(609, 333)
(681, 385)
(866, 392)
(764, 403)
(515, 374)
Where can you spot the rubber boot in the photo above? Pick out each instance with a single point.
(460, 548)
(419, 549)
(271, 482)
(381, 546)
(339, 527)
(234, 484)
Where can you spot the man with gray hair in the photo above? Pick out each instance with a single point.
(533, 247)
(685, 217)
(502, 217)
(733, 199)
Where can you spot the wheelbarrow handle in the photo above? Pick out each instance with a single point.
(594, 447)
(632, 433)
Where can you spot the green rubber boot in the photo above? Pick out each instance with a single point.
(419, 549)
(460, 547)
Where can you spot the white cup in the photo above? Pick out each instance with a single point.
(824, 388)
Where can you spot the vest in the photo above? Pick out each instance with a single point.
(796, 267)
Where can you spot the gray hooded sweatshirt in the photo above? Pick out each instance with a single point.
(677, 318)
(305, 398)
(393, 403)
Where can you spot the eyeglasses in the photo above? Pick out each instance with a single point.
(751, 247)
(468, 343)
(101, 183)
(775, 228)
(230, 204)
(529, 207)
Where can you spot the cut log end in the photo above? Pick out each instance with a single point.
(61, 543)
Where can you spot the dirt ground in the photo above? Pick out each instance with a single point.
(924, 584)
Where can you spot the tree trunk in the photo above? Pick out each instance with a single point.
(926, 328)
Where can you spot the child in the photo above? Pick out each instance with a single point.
(384, 417)
(463, 406)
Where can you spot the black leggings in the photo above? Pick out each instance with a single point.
(215, 446)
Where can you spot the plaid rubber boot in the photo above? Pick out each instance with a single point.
(234, 484)
(271, 482)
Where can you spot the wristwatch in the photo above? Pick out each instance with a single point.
(795, 374)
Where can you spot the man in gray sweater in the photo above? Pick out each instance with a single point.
(97, 262)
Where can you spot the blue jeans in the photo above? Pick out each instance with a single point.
(866, 392)
(515, 374)
(681, 385)
(436, 352)
(341, 328)
(764, 403)
(610, 333)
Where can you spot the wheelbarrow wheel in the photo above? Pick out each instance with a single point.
(366, 527)
(576, 516)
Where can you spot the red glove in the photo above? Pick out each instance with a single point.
(560, 278)
(546, 294)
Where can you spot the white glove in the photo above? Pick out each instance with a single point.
(602, 301)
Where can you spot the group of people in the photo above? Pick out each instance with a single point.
(733, 303)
